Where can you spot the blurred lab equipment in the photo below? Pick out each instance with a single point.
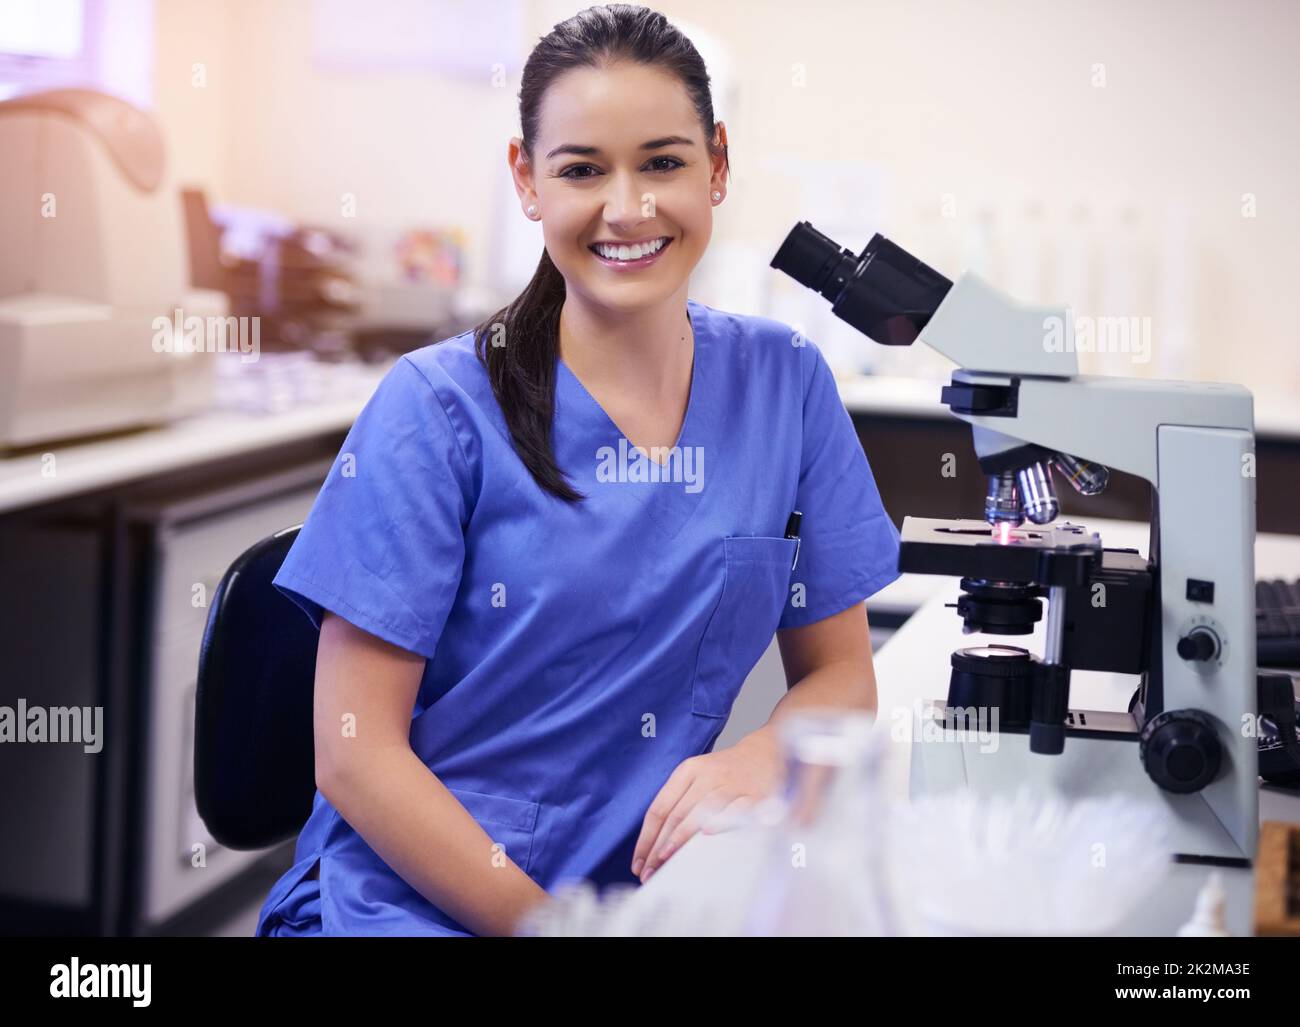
(1277, 623)
(826, 871)
(295, 278)
(93, 256)
(1028, 862)
(1183, 621)
(835, 855)
(426, 254)
(1208, 918)
(376, 292)
(1277, 880)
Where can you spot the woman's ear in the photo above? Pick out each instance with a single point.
(521, 171)
(718, 176)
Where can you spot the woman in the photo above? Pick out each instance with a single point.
(552, 549)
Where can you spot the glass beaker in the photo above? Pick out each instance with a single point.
(825, 871)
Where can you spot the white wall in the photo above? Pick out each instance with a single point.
(196, 118)
(994, 104)
(1124, 200)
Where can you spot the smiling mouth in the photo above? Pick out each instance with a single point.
(641, 261)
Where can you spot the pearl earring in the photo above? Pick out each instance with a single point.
(532, 210)
(716, 196)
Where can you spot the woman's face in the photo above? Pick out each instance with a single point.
(615, 190)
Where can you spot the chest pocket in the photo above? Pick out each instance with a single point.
(741, 626)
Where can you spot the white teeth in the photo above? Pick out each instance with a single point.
(630, 252)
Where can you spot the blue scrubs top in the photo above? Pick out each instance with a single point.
(576, 653)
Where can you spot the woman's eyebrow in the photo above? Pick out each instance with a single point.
(594, 151)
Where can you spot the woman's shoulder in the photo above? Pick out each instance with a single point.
(761, 344)
(441, 386)
(740, 327)
(452, 361)
(452, 370)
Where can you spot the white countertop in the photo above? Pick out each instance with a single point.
(84, 466)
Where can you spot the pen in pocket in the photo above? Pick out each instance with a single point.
(792, 531)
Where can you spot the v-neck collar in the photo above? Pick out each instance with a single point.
(667, 503)
(691, 399)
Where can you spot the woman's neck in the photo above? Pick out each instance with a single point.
(649, 350)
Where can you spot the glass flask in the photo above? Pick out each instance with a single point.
(825, 869)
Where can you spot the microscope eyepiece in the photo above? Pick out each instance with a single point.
(884, 292)
(814, 260)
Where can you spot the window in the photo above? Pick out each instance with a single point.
(96, 44)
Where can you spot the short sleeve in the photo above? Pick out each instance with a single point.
(849, 546)
(384, 542)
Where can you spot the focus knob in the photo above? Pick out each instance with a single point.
(1180, 750)
(1199, 644)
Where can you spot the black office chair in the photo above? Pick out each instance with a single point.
(254, 755)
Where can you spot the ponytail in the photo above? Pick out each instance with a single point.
(519, 346)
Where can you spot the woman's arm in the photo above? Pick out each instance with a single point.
(365, 767)
(827, 663)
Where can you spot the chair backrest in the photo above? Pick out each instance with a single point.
(254, 755)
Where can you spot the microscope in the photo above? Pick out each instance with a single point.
(1183, 620)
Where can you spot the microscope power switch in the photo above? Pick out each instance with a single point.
(1199, 644)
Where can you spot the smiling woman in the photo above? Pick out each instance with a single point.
(622, 162)
(539, 635)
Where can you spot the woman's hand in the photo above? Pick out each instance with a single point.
(748, 771)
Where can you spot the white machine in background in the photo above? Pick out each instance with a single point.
(92, 250)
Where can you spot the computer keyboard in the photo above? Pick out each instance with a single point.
(1277, 623)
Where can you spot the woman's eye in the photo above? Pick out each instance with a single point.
(672, 166)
